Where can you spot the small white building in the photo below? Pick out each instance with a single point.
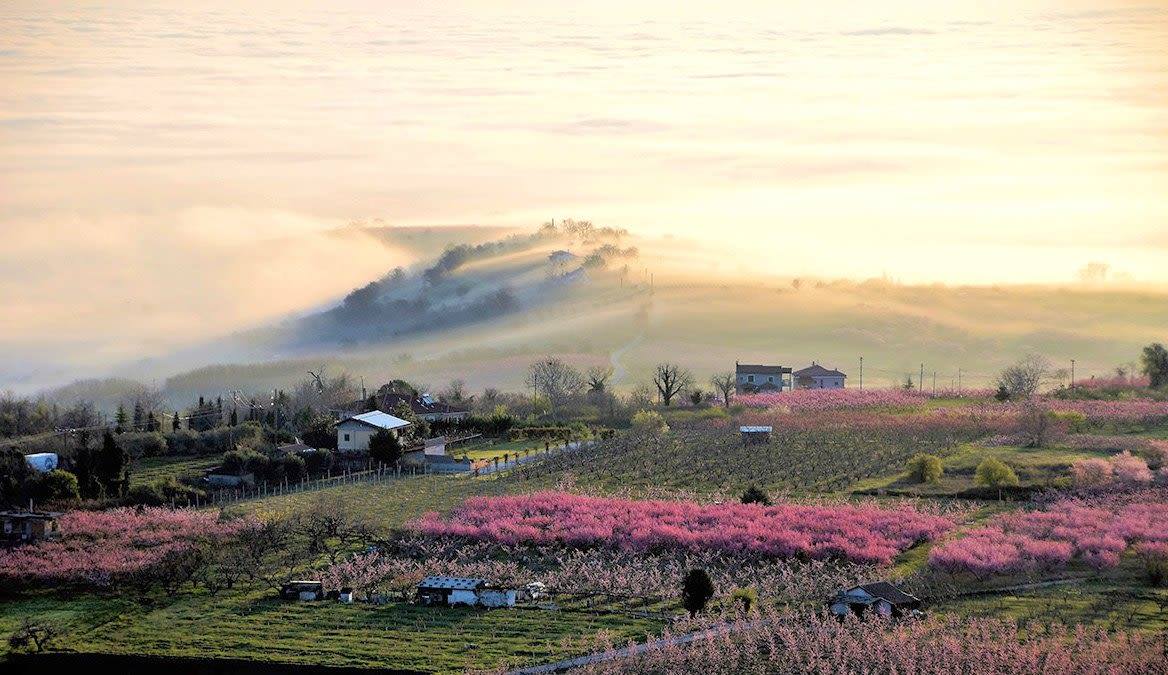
(816, 376)
(354, 433)
(440, 590)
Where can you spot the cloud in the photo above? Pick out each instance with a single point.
(889, 30)
(85, 291)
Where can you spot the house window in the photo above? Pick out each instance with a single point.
(770, 379)
(750, 378)
(346, 437)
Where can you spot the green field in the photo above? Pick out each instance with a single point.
(150, 469)
(256, 625)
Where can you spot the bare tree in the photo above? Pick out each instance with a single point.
(598, 378)
(33, 635)
(725, 383)
(670, 380)
(1023, 378)
(556, 380)
(455, 392)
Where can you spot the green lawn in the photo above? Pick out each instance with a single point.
(491, 450)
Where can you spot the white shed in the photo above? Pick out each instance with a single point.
(354, 433)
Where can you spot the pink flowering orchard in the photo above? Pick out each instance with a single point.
(99, 547)
(1094, 532)
(861, 533)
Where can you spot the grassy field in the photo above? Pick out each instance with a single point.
(149, 469)
(385, 505)
(257, 626)
(1034, 467)
(1105, 604)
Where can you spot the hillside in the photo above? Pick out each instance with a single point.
(488, 305)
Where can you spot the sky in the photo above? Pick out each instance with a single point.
(172, 170)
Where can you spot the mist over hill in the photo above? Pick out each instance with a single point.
(487, 302)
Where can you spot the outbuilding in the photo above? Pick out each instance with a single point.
(25, 527)
(755, 435)
(880, 597)
(302, 590)
(441, 590)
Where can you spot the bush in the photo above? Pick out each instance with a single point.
(293, 467)
(696, 591)
(163, 492)
(756, 495)
(747, 596)
(318, 462)
(56, 486)
(650, 422)
(925, 468)
(143, 444)
(994, 473)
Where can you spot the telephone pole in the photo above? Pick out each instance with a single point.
(1072, 373)
(921, 380)
(934, 384)
(861, 373)
(958, 380)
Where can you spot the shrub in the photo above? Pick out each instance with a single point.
(756, 495)
(696, 591)
(650, 422)
(993, 472)
(925, 468)
(384, 447)
(748, 597)
(57, 486)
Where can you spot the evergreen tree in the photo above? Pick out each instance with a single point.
(120, 419)
(384, 447)
(696, 591)
(139, 421)
(111, 466)
(234, 416)
(176, 424)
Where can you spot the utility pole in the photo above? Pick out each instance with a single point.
(934, 384)
(958, 380)
(921, 380)
(1072, 373)
(861, 373)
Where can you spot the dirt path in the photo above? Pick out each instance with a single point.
(619, 371)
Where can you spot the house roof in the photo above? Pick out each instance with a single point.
(760, 370)
(755, 430)
(452, 583)
(421, 405)
(816, 370)
(31, 515)
(378, 420)
(885, 590)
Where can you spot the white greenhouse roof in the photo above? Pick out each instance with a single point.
(755, 430)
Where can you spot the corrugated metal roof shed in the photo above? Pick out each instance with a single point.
(454, 583)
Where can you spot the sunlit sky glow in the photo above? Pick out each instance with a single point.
(152, 153)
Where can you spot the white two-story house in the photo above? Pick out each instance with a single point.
(752, 378)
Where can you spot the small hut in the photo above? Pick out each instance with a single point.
(302, 590)
(26, 527)
(755, 435)
(881, 597)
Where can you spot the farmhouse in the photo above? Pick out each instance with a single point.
(881, 597)
(24, 527)
(354, 433)
(816, 376)
(751, 378)
(438, 590)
